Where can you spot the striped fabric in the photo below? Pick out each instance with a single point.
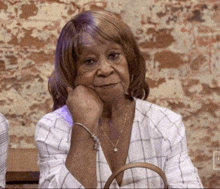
(157, 137)
(4, 128)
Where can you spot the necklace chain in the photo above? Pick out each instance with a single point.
(115, 145)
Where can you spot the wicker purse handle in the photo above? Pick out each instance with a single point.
(139, 164)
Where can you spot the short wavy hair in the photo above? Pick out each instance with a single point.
(102, 26)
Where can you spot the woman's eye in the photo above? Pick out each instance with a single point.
(114, 56)
(89, 62)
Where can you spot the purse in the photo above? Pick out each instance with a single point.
(139, 164)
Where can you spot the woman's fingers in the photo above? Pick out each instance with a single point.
(84, 104)
(69, 89)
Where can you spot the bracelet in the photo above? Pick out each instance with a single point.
(95, 138)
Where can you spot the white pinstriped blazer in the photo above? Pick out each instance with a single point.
(157, 137)
(4, 128)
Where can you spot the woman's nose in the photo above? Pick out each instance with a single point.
(105, 68)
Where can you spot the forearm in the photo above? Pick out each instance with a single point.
(81, 158)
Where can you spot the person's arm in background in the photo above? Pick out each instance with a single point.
(4, 140)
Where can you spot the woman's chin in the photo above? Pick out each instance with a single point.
(112, 97)
(111, 94)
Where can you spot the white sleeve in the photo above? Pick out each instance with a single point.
(53, 141)
(4, 128)
(179, 169)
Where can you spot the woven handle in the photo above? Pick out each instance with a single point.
(133, 165)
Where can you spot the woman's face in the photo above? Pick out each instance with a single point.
(103, 67)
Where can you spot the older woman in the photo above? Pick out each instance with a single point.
(100, 121)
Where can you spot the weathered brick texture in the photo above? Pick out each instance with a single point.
(180, 40)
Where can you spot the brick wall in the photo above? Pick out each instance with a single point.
(181, 43)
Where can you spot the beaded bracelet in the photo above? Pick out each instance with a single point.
(95, 138)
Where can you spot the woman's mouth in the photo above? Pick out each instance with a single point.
(107, 86)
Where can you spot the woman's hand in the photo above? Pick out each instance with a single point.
(85, 105)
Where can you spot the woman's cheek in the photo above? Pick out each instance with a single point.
(83, 80)
(125, 82)
(125, 87)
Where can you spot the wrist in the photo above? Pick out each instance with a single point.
(81, 128)
(91, 124)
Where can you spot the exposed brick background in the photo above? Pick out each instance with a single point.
(180, 40)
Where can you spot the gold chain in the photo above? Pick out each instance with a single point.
(115, 145)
